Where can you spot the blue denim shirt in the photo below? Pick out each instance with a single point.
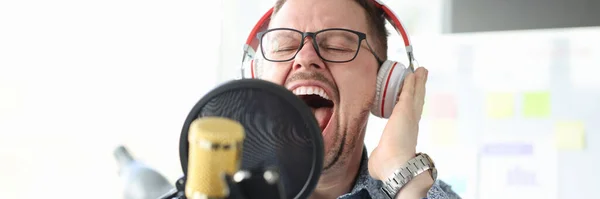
(366, 187)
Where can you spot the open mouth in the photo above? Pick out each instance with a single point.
(318, 100)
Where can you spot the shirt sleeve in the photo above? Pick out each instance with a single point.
(441, 190)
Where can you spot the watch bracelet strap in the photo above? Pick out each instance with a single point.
(407, 172)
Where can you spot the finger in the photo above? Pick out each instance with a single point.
(420, 90)
(420, 85)
(408, 89)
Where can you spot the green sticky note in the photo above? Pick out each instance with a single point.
(569, 135)
(536, 104)
(500, 105)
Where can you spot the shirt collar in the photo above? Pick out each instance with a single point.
(364, 181)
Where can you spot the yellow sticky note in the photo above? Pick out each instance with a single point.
(536, 104)
(443, 132)
(500, 105)
(569, 135)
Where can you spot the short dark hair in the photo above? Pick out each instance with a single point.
(375, 21)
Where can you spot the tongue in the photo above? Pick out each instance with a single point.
(323, 115)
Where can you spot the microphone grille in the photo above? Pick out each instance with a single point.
(216, 130)
(215, 150)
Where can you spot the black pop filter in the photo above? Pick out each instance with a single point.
(280, 129)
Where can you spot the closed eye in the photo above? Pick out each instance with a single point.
(338, 49)
(285, 49)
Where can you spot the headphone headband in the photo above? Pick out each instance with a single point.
(252, 42)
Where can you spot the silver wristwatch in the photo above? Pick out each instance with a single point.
(415, 166)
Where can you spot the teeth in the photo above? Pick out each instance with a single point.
(322, 93)
(310, 90)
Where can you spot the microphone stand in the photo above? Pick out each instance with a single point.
(253, 184)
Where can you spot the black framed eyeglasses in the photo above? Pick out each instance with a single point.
(336, 45)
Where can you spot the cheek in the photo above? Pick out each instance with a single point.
(274, 72)
(357, 86)
(359, 80)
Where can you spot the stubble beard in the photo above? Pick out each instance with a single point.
(346, 139)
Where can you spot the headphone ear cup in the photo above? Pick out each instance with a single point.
(249, 69)
(389, 84)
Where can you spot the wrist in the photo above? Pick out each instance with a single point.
(417, 187)
(394, 163)
(412, 179)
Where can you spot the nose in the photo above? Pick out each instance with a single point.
(307, 58)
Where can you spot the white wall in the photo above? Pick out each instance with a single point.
(79, 77)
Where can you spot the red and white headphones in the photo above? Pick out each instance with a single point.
(389, 78)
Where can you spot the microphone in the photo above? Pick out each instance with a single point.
(214, 151)
(249, 139)
(140, 181)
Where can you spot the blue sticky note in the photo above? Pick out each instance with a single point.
(507, 149)
(458, 184)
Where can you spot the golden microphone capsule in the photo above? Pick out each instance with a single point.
(215, 147)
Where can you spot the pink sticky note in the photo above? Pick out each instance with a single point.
(443, 106)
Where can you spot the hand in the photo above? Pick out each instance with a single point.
(399, 139)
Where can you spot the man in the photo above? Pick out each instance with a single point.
(342, 81)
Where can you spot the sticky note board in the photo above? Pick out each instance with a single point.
(500, 105)
(444, 132)
(536, 104)
(569, 135)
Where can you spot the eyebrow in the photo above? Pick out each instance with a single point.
(288, 34)
(347, 37)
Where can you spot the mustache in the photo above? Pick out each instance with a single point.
(313, 76)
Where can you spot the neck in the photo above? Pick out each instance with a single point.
(339, 179)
